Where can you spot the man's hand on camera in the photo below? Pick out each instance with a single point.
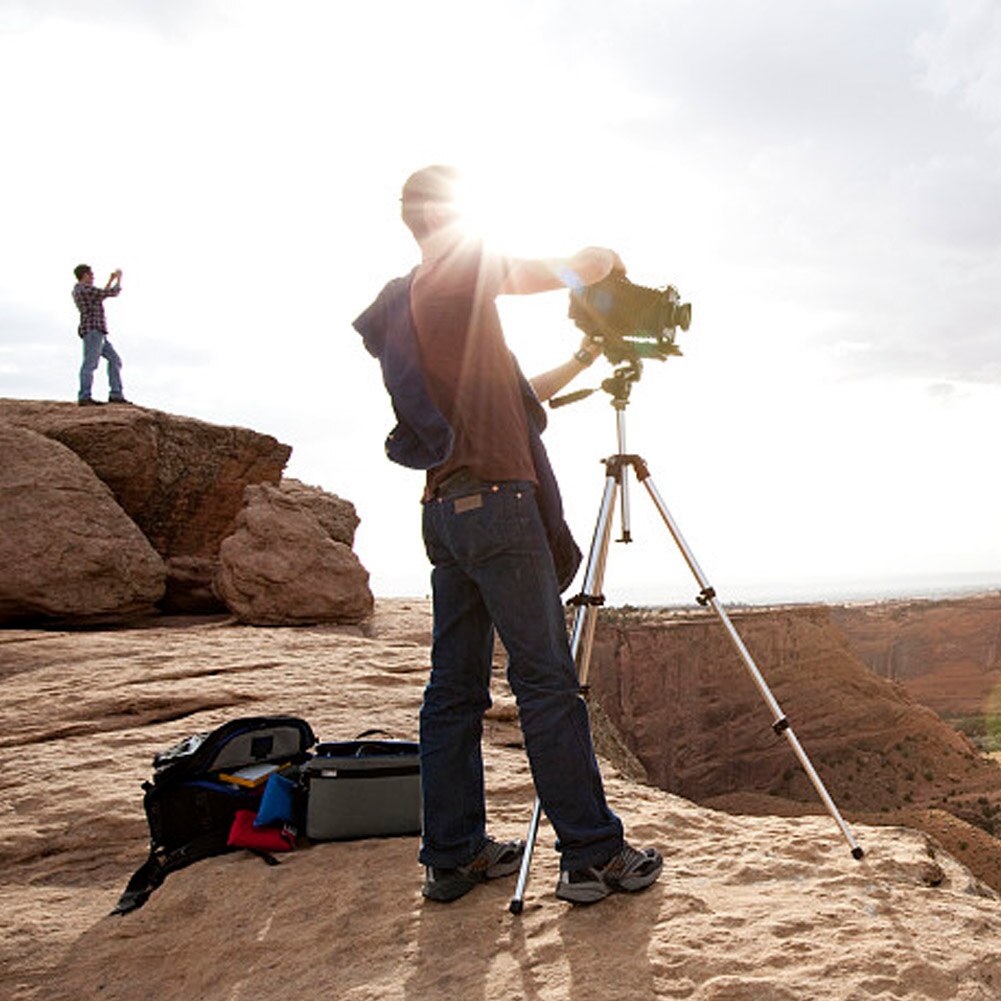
(589, 351)
(609, 260)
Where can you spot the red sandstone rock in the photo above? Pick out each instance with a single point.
(67, 550)
(180, 480)
(947, 654)
(335, 515)
(281, 567)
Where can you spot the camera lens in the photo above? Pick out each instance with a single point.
(682, 316)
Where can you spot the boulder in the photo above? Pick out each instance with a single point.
(180, 480)
(335, 515)
(281, 566)
(67, 550)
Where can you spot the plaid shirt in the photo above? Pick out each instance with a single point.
(90, 301)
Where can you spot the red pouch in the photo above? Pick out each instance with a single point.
(243, 834)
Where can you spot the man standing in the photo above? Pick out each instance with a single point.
(500, 551)
(93, 331)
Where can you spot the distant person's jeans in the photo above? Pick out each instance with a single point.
(95, 347)
(492, 567)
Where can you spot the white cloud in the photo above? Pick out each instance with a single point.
(961, 56)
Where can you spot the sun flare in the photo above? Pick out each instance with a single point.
(519, 211)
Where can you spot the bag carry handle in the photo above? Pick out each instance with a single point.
(365, 746)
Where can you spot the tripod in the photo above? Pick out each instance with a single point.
(586, 604)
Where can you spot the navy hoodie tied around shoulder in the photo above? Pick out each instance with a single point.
(423, 438)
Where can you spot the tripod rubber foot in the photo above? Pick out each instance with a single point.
(857, 852)
(516, 906)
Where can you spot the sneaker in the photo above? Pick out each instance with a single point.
(627, 871)
(497, 858)
(119, 399)
(88, 402)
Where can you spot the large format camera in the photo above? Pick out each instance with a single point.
(629, 321)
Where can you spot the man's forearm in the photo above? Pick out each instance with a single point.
(586, 267)
(548, 384)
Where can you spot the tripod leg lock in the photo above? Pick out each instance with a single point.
(780, 725)
(705, 596)
(586, 599)
(614, 465)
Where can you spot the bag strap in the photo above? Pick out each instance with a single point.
(159, 865)
(140, 885)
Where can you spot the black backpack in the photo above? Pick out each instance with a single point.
(193, 797)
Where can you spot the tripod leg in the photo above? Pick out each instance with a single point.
(518, 900)
(590, 598)
(585, 618)
(625, 515)
(707, 596)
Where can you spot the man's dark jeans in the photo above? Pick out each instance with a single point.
(493, 568)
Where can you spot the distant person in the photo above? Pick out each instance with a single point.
(93, 331)
(500, 551)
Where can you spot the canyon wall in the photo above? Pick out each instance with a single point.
(947, 654)
(688, 709)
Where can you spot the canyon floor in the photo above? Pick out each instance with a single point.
(767, 908)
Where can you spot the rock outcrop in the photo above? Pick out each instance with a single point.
(180, 480)
(281, 566)
(167, 491)
(67, 550)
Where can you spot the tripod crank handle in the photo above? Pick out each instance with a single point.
(574, 397)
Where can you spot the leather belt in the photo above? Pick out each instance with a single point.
(462, 481)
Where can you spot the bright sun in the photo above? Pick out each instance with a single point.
(518, 210)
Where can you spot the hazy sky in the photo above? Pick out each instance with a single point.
(820, 179)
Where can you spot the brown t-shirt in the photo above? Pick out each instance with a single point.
(469, 370)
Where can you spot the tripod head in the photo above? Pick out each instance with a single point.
(618, 385)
